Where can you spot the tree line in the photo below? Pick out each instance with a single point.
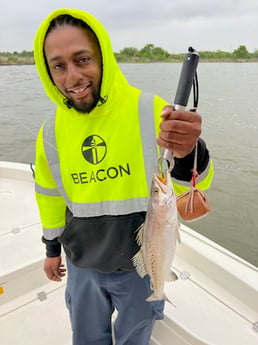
(15, 58)
(152, 53)
(149, 53)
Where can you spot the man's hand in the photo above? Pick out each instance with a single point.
(54, 268)
(179, 130)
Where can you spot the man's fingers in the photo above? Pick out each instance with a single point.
(167, 111)
(55, 273)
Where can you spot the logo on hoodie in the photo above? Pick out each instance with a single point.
(94, 149)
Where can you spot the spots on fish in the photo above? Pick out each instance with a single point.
(157, 236)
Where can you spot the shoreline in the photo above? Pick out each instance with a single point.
(143, 61)
(148, 54)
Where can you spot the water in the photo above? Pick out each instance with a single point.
(229, 106)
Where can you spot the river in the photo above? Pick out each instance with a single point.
(229, 106)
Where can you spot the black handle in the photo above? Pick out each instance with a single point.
(186, 77)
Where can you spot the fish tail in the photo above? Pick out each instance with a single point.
(154, 297)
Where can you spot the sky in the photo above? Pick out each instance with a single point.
(173, 25)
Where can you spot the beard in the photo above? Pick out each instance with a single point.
(85, 107)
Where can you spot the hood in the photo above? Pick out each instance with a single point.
(113, 80)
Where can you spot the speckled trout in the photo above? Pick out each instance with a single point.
(157, 236)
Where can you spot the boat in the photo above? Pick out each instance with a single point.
(215, 299)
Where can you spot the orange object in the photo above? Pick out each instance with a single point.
(163, 180)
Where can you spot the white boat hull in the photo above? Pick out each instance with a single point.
(215, 297)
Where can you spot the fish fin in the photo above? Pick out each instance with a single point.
(178, 237)
(171, 277)
(139, 264)
(139, 236)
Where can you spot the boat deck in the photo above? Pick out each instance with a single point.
(215, 297)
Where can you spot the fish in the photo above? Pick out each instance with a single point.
(157, 237)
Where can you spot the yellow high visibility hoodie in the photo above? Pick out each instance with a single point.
(93, 170)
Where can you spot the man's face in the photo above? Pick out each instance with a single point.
(74, 61)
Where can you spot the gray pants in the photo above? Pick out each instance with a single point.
(91, 298)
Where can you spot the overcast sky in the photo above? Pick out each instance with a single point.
(171, 24)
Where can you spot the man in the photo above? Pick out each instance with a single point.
(94, 163)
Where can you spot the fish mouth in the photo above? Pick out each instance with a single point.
(162, 182)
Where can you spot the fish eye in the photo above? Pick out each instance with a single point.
(155, 191)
